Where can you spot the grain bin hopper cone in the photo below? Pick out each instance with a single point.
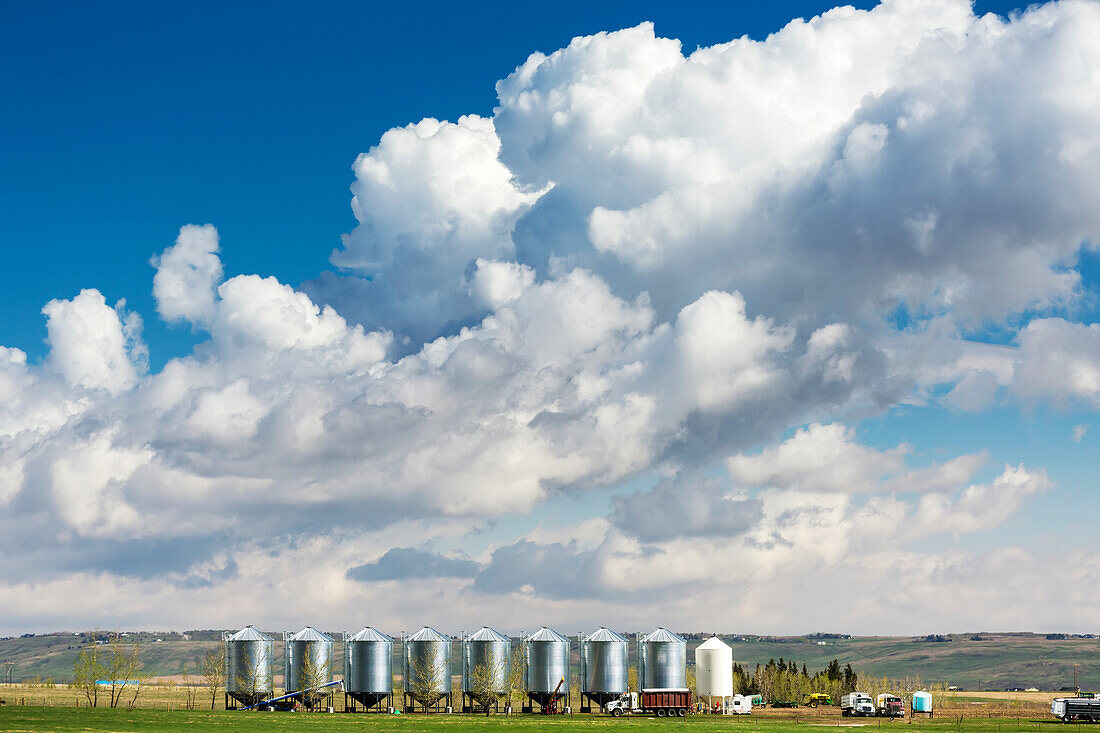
(249, 667)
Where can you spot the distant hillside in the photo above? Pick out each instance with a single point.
(996, 661)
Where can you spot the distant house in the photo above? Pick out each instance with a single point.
(1032, 689)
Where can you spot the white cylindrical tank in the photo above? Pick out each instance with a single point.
(714, 669)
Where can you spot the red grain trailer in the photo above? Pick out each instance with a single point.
(660, 701)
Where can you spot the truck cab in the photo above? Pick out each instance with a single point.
(889, 706)
(627, 703)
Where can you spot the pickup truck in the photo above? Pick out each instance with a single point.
(660, 701)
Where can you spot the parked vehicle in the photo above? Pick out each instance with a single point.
(889, 706)
(857, 703)
(813, 699)
(740, 705)
(660, 701)
(1075, 709)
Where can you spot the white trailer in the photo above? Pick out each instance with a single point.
(857, 703)
(1075, 709)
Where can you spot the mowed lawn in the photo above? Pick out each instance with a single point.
(13, 719)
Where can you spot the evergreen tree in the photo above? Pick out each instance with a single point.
(850, 679)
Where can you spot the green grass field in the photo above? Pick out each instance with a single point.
(13, 719)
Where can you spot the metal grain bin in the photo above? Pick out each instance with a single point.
(309, 659)
(427, 662)
(547, 653)
(492, 649)
(546, 676)
(249, 666)
(368, 669)
(603, 666)
(368, 662)
(662, 659)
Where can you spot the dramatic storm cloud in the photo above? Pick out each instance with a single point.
(678, 281)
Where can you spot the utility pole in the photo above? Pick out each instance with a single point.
(1075, 687)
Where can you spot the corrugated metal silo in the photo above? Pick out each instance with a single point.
(603, 666)
(427, 668)
(249, 666)
(662, 660)
(368, 668)
(547, 674)
(492, 650)
(309, 659)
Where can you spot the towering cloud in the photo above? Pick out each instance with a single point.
(680, 282)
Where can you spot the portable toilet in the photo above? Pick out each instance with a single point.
(922, 702)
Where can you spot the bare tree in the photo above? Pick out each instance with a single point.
(188, 688)
(213, 673)
(313, 676)
(88, 669)
(426, 680)
(484, 684)
(517, 673)
(251, 681)
(632, 678)
(124, 671)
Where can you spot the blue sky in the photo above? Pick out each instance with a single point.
(133, 119)
(635, 280)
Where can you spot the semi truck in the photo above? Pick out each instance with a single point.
(857, 703)
(1075, 709)
(889, 706)
(660, 701)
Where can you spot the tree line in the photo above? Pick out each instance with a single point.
(784, 680)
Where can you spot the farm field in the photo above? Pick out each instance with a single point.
(62, 720)
(174, 698)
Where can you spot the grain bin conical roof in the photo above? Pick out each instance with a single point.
(547, 634)
(369, 633)
(429, 634)
(249, 634)
(663, 634)
(487, 633)
(310, 634)
(605, 634)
